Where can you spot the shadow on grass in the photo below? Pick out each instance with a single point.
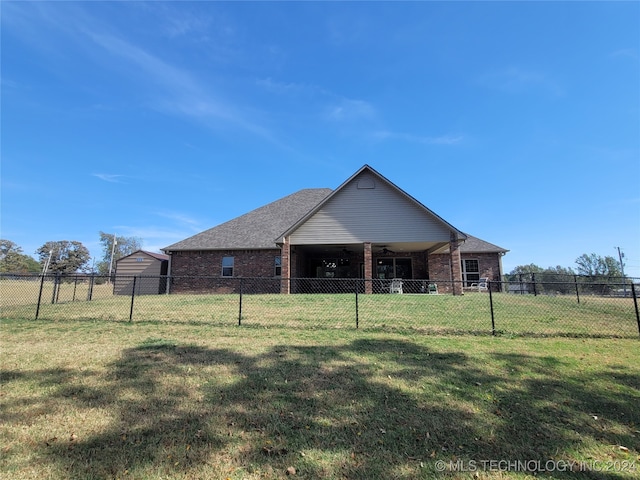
(370, 409)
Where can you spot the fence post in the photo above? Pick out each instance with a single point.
(635, 303)
(575, 282)
(493, 320)
(357, 312)
(133, 294)
(90, 291)
(55, 287)
(240, 306)
(533, 280)
(40, 296)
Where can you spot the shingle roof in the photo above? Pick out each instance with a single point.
(157, 256)
(257, 229)
(475, 245)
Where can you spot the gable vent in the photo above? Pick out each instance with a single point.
(365, 183)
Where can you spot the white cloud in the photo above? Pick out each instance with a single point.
(181, 219)
(154, 238)
(172, 89)
(347, 110)
(179, 22)
(334, 107)
(108, 177)
(516, 80)
(182, 92)
(427, 140)
(626, 53)
(288, 88)
(349, 30)
(149, 232)
(444, 140)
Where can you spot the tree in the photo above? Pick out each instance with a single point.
(13, 260)
(556, 279)
(526, 269)
(600, 271)
(66, 256)
(124, 246)
(593, 265)
(544, 280)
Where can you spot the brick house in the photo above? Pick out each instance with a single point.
(367, 228)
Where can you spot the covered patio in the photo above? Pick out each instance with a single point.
(378, 262)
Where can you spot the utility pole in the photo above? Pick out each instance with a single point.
(46, 265)
(624, 280)
(113, 251)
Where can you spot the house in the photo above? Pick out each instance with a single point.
(147, 268)
(366, 228)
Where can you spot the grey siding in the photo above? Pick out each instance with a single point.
(369, 210)
(141, 265)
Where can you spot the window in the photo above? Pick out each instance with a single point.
(394, 268)
(227, 266)
(278, 266)
(470, 272)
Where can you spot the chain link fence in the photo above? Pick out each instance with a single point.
(547, 283)
(522, 305)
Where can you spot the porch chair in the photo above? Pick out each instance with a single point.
(395, 286)
(482, 284)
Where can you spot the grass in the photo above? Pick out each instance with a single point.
(26, 292)
(148, 400)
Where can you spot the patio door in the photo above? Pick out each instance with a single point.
(388, 268)
(384, 268)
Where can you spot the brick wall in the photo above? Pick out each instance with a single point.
(488, 264)
(439, 267)
(260, 264)
(185, 265)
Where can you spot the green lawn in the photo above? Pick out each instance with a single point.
(428, 314)
(189, 399)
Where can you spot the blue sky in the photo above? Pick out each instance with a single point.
(518, 123)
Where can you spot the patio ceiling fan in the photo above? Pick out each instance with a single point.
(385, 250)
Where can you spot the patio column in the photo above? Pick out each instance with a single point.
(368, 268)
(456, 265)
(285, 264)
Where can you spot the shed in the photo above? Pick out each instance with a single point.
(518, 287)
(149, 270)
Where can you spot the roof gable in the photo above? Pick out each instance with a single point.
(157, 256)
(369, 207)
